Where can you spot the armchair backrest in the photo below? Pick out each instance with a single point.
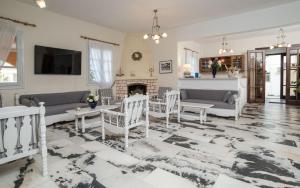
(134, 107)
(162, 91)
(172, 99)
(106, 92)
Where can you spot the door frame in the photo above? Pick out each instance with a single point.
(256, 100)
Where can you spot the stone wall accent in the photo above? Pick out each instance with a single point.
(121, 86)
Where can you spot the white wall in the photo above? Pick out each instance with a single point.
(133, 43)
(242, 44)
(274, 17)
(58, 31)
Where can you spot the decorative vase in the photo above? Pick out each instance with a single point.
(214, 72)
(93, 104)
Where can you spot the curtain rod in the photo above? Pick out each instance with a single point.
(17, 21)
(88, 38)
(191, 50)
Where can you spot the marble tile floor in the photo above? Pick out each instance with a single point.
(262, 149)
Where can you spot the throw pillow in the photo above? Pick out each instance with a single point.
(27, 102)
(84, 97)
(35, 101)
(227, 96)
(231, 100)
(183, 94)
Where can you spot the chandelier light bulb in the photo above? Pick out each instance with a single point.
(164, 35)
(157, 41)
(146, 36)
(41, 3)
(231, 51)
(156, 37)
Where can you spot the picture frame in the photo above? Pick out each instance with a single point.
(165, 67)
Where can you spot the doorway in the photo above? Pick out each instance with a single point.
(273, 77)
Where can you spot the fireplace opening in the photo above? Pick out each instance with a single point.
(137, 89)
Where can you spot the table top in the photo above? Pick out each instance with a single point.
(195, 105)
(86, 111)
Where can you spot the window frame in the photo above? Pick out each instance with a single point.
(20, 65)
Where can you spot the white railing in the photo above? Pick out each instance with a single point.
(23, 133)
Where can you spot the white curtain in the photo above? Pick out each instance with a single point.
(192, 59)
(8, 33)
(101, 63)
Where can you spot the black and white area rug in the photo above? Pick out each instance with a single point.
(261, 149)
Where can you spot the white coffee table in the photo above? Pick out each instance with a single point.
(202, 109)
(84, 112)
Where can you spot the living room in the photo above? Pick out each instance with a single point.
(149, 94)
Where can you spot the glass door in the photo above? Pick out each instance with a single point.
(293, 76)
(256, 76)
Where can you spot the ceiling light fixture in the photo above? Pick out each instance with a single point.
(281, 40)
(225, 48)
(41, 3)
(155, 33)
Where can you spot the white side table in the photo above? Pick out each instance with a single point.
(202, 109)
(85, 112)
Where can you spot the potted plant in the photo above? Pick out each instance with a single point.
(92, 100)
(215, 65)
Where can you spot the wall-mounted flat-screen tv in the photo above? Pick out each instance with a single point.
(49, 60)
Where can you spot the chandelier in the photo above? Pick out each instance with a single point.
(225, 48)
(155, 33)
(281, 40)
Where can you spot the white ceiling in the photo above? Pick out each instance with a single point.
(136, 15)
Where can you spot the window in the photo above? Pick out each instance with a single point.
(11, 63)
(191, 58)
(100, 64)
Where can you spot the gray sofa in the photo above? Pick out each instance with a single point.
(56, 104)
(226, 103)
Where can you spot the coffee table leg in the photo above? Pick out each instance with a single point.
(103, 126)
(76, 123)
(83, 124)
(201, 116)
(205, 114)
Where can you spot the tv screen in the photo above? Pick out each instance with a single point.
(56, 61)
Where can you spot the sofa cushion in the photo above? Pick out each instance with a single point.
(217, 104)
(59, 109)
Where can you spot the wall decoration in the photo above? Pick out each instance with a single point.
(136, 56)
(165, 67)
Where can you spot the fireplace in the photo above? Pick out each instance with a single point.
(122, 86)
(137, 89)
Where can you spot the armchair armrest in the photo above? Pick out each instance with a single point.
(157, 103)
(110, 112)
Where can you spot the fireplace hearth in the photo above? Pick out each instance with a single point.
(137, 89)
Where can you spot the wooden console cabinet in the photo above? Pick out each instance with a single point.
(234, 60)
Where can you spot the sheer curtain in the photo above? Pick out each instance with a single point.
(192, 59)
(101, 64)
(7, 36)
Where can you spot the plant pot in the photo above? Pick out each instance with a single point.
(93, 104)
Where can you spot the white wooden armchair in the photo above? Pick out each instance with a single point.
(134, 112)
(107, 97)
(170, 105)
(23, 133)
